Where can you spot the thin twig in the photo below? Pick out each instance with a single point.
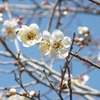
(65, 67)
(86, 60)
(8, 49)
(7, 10)
(95, 1)
(57, 24)
(21, 85)
(52, 85)
(20, 80)
(52, 13)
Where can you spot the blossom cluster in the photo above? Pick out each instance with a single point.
(84, 38)
(9, 29)
(11, 95)
(49, 44)
(81, 80)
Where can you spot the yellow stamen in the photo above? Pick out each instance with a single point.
(30, 36)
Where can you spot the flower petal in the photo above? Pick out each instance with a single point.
(13, 24)
(44, 48)
(66, 42)
(80, 30)
(62, 53)
(26, 45)
(57, 35)
(46, 35)
(11, 37)
(38, 38)
(34, 27)
(52, 53)
(3, 32)
(26, 28)
(6, 24)
(21, 31)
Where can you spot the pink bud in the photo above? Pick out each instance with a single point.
(16, 63)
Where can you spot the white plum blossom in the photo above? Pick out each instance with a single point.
(44, 45)
(67, 78)
(12, 91)
(65, 13)
(85, 79)
(17, 97)
(32, 93)
(82, 79)
(29, 35)
(83, 30)
(59, 45)
(55, 44)
(9, 29)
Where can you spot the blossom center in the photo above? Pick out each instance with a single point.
(31, 36)
(10, 30)
(57, 44)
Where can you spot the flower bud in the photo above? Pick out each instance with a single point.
(78, 40)
(22, 69)
(25, 93)
(64, 86)
(21, 17)
(1, 9)
(65, 13)
(57, 14)
(83, 30)
(60, 22)
(86, 35)
(44, 2)
(32, 94)
(8, 94)
(16, 63)
(12, 91)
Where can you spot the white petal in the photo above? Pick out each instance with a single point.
(11, 37)
(27, 43)
(6, 24)
(80, 30)
(44, 48)
(4, 32)
(52, 53)
(57, 35)
(13, 24)
(85, 79)
(66, 42)
(26, 28)
(21, 31)
(34, 27)
(62, 53)
(31, 42)
(38, 38)
(46, 35)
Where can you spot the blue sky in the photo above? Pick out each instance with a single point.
(91, 21)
